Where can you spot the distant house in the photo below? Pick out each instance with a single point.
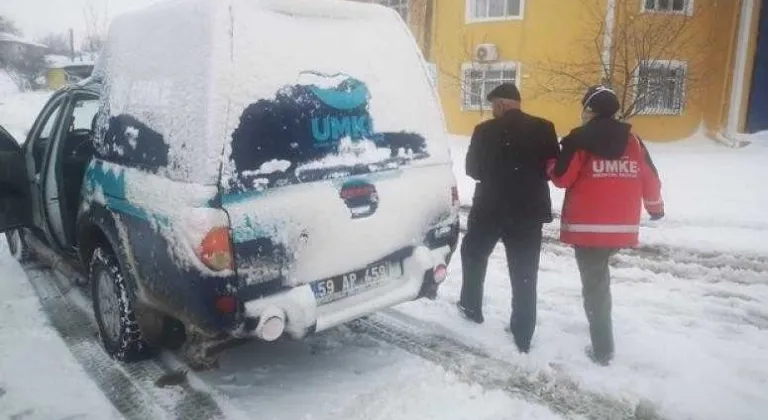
(13, 47)
(13, 51)
(62, 70)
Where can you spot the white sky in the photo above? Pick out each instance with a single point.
(37, 18)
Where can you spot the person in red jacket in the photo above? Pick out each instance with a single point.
(609, 176)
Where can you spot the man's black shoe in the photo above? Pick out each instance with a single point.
(523, 348)
(472, 315)
(599, 359)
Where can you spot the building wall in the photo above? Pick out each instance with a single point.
(722, 56)
(565, 31)
(11, 52)
(419, 20)
(528, 41)
(713, 27)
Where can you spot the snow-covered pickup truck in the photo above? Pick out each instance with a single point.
(211, 177)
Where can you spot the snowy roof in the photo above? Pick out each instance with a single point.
(11, 38)
(61, 61)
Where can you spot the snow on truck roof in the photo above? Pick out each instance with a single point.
(184, 72)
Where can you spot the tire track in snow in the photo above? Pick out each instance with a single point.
(711, 267)
(464, 209)
(78, 334)
(475, 366)
(129, 387)
(732, 282)
(681, 264)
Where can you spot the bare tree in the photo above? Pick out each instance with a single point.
(8, 26)
(633, 52)
(56, 43)
(30, 66)
(96, 22)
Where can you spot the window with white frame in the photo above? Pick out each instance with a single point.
(401, 6)
(494, 9)
(661, 87)
(668, 6)
(481, 79)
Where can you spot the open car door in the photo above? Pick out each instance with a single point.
(15, 201)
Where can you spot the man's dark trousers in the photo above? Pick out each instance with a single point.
(522, 240)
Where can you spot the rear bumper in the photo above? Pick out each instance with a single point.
(302, 315)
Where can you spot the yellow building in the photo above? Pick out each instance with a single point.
(678, 65)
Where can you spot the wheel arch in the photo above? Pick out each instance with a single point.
(99, 229)
(91, 236)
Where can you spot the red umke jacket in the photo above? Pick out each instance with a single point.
(609, 176)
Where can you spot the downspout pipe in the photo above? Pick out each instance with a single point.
(610, 24)
(739, 71)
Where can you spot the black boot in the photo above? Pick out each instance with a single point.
(475, 316)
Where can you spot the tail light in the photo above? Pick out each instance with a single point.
(215, 250)
(455, 195)
(226, 304)
(357, 191)
(208, 233)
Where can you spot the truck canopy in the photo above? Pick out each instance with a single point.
(247, 94)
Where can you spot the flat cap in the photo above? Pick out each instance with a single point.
(505, 91)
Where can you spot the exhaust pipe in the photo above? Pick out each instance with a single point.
(271, 324)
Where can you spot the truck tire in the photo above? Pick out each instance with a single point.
(18, 246)
(113, 308)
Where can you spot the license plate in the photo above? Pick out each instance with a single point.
(359, 281)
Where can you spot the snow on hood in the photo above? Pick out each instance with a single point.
(326, 44)
(330, 100)
(185, 71)
(320, 80)
(156, 70)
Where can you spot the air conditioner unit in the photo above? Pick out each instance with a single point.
(486, 52)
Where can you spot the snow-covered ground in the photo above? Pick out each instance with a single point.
(7, 85)
(19, 110)
(335, 375)
(39, 377)
(690, 313)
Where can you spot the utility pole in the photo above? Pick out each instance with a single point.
(71, 44)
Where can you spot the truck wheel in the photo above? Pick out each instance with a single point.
(113, 308)
(18, 246)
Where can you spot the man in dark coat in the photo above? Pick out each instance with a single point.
(507, 157)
